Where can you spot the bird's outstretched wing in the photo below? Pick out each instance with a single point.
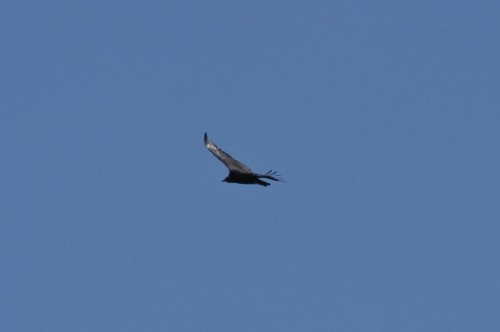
(230, 162)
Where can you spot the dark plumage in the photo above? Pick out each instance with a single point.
(238, 172)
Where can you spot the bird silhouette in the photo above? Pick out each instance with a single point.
(238, 172)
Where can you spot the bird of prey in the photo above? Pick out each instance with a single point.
(238, 173)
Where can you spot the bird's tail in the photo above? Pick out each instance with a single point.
(262, 183)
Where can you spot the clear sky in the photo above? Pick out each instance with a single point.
(383, 117)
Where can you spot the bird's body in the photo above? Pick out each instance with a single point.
(248, 178)
(238, 172)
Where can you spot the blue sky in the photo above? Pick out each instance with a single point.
(383, 116)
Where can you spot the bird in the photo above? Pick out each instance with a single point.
(238, 172)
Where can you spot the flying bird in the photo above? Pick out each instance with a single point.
(238, 172)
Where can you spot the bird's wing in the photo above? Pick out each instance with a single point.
(230, 162)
